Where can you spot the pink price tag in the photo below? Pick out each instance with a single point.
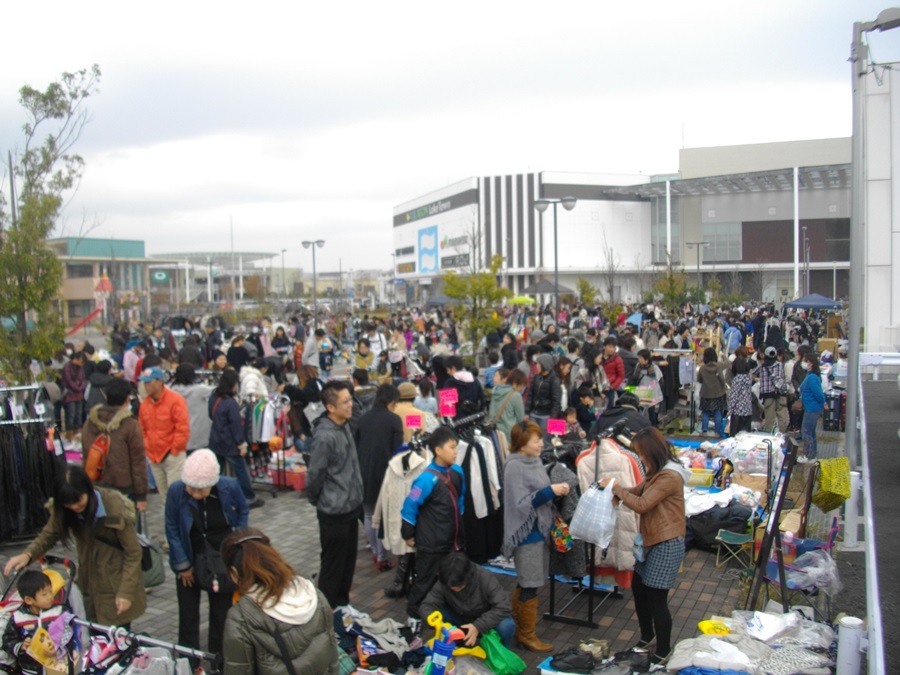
(556, 427)
(448, 410)
(413, 421)
(448, 396)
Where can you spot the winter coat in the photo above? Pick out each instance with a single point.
(197, 397)
(404, 409)
(109, 559)
(613, 464)
(73, 382)
(305, 623)
(483, 602)
(96, 391)
(402, 470)
(126, 461)
(712, 381)
(634, 419)
(470, 390)
(377, 438)
(432, 512)
(811, 393)
(227, 429)
(253, 383)
(660, 503)
(333, 480)
(192, 355)
(544, 395)
(166, 424)
(513, 413)
(614, 367)
(180, 509)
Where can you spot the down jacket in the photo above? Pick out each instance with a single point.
(166, 424)
(613, 464)
(304, 620)
(402, 470)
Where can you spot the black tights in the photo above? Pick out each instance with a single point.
(652, 609)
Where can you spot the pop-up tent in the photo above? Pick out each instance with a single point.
(813, 301)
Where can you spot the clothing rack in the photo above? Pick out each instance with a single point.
(683, 353)
(23, 387)
(31, 420)
(119, 633)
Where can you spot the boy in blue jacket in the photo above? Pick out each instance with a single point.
(432, 517)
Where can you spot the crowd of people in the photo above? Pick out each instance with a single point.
(170, 403)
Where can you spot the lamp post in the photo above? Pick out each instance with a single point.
(314, 244)
(888, 19)
(805, 261)
(698, 245)
(541, 205)
(283, 280)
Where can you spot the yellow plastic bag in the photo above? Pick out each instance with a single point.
(834, 483)
(710, 627)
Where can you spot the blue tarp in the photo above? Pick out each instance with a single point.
(814, 301)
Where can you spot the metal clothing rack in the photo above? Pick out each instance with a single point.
(118, 633)
(681, 353)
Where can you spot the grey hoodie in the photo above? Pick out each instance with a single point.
(333, 479)
(197, 397)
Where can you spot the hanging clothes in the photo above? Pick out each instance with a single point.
(607, 460)
(573, 562)
(403, 468)
(483, 515)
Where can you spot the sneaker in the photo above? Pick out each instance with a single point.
(414, 624)
(256, 503)
(573, 661)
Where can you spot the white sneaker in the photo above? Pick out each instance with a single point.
(414, 624)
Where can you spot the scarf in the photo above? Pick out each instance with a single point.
(523, 476)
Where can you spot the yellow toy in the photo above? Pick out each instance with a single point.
(446, 632)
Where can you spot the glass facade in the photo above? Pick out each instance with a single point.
(724, 242)
(79, 271)
(658, 231)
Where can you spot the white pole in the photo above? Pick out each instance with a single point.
(797, 232)
(849, 658)
(241, 275)
(669, 220)
(187, 282)
(209, 279)
(851, 513)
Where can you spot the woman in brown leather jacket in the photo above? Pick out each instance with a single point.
(660, 502)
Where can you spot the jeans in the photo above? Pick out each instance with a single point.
(375, 543)
(74, 411)
(808, 433)
(717, 421)
(239, 467)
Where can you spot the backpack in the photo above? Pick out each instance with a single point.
(96, 457)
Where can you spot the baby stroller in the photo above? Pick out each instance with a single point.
(67, 602)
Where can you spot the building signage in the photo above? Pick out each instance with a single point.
(447, 242)
(438, 207)
(428, 210)
(159, 276)
(461, 260)
(428, 249)
(406, 268)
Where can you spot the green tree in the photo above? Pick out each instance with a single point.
(672, 287)
(478, 296)
(587, 292)
(46, 169)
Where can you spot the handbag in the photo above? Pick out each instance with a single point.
(595, 517)
(209, 571)
(152, 562)
(797, 406)
(560, 535)
(834, 483)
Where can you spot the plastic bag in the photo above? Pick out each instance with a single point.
(763, 626)
(501, 660)
(809, 634)
(595, 517)
(815, 568)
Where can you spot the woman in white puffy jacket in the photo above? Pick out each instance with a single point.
(253, 380)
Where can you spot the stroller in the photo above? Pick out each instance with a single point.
(67, 600)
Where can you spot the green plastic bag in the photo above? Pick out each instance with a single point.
(500, 659)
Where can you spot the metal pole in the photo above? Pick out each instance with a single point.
(556, 266)
(668, 220)
(699, 282)
(858, 58)
(797, 233)
(209, 279)
(283, 280)
(315, 304)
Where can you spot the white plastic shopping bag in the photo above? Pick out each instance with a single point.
(595, 517)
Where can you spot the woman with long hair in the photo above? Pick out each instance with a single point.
(101, 521)
(527, 519)
(226, 436)
(812, 398)
(740, 398)
(308, 390)
(563, 370)
(660, 502)
(280, 616)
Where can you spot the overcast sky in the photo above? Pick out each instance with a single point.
(303, 120)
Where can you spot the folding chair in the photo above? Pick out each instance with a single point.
(734, 546)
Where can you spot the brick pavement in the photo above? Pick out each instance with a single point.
(290, 521)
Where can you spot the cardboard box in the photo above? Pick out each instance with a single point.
(296, 480)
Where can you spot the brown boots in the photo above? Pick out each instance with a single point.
(525, 615)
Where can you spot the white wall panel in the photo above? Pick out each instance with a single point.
(878, 222)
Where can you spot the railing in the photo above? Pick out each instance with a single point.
(873, 601)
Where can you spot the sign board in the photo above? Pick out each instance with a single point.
(159, 276)
(556, 427)
(448, 396)
(413, 421)
(448, 410)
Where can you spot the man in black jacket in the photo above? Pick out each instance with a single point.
(545, 394)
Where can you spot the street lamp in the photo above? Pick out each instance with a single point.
(541, 205)
(313, 244)
(283, 280)
(805, 261)
(888, 19)
(698, 245)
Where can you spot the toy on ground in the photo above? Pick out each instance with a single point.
(447, 634)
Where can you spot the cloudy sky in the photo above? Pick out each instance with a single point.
(298, 120)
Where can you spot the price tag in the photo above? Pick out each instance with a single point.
(39, 409)
(58, 447)
(413, 421)
(18, 411)
(448, 410)
(556, 427)
(448, 396)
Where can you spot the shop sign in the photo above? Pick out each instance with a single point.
(450, 261)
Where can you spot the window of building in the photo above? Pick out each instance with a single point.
(658, 231)
(724, 242)
(79, 309)
(79, 271)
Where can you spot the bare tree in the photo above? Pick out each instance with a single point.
(610, 263)
(644, 275)
(736, 283)
(759, 278)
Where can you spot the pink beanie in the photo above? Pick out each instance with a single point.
(201, 469)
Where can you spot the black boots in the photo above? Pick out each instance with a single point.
(402, 579)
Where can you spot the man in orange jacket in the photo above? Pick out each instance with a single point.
(166, 424)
